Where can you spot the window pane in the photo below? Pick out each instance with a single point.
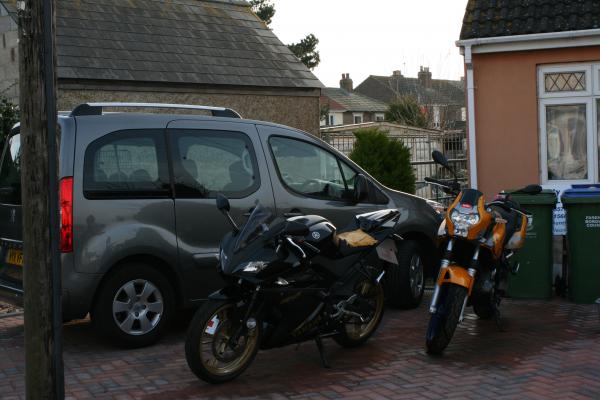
(127, 163)
(565, 82)
(308, 169)
(210, 163)
(566, 134)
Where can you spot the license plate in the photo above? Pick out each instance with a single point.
(15, 257)
(387, 251)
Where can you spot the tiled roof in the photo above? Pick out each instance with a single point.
(388, 88)
(177, 41)
(350, 101)
(490, 18)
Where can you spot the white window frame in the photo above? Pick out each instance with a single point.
(590, 98)
(589, 80)
(362, 118)
(379, 115)
(592, 164)
(596, 78)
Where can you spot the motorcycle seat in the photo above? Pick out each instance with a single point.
(353, 241)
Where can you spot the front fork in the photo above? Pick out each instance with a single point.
(433, 307)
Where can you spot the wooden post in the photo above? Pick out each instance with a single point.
(39, 176)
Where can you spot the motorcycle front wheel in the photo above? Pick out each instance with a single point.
(217, 347)
(356, 332)
(443, 323)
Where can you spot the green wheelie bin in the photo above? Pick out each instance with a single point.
(583, 237)
(534, 279)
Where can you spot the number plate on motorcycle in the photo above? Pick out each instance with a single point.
(212, 325)
(387, 251)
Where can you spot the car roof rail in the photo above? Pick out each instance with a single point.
(96, 108)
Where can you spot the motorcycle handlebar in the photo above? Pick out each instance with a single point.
(436, 181)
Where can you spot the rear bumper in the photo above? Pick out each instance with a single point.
(77, 291)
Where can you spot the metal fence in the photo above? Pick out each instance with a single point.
(421, 143)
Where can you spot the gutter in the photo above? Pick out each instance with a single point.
(535, 41)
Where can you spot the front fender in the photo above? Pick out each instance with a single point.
(457, 275)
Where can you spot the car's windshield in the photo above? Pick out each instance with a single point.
(10, 171)
(253, 228)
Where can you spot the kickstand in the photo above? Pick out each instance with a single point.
(319, 343)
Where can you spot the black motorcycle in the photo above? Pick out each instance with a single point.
(290, 281)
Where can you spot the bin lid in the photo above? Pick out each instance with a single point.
(582, 195)
(545, 197)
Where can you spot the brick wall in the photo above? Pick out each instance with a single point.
(298, 111)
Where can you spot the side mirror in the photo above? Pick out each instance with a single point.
(295, 228)
(439, 158)
(361, 188)
(223, 203)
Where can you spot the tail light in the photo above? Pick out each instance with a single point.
(66, 214)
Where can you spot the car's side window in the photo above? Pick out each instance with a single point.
(207, 162)
(310, 170)
(126, 164)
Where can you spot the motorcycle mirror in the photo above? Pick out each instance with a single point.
(531, 189)
(224, 206)
(361, 190)
(223, 203)
(295, 228)
(439, 158)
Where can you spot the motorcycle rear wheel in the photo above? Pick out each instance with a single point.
(208, 350)
(356, 334)
(443, 323)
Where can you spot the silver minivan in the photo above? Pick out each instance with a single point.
(139, 227)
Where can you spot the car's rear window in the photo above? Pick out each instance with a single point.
(10, 171)
(127, 164)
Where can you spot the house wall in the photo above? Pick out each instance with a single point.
(506, 114)
(300, 111)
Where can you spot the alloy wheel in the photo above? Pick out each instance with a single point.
(137, 307)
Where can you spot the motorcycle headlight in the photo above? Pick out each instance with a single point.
(462, 222)
(254, 267)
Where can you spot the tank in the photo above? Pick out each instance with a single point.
(320, 231)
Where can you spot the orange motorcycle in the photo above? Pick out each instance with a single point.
(478, 239)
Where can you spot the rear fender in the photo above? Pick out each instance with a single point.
(457, 275)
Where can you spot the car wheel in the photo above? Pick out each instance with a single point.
(134, 306)
(404, 283)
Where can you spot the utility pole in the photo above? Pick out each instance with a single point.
(44, 376)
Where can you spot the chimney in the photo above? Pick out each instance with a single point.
(346, 83)
(397, 73)
(425, 77)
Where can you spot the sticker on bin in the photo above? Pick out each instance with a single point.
(212, 325)
(559, 220)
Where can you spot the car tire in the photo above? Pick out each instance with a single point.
(134, 306)
(404, 283)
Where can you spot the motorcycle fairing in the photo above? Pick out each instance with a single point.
(457, 275)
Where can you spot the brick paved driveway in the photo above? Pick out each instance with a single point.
(550, 350)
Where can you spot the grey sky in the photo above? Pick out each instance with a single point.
(375, 37)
